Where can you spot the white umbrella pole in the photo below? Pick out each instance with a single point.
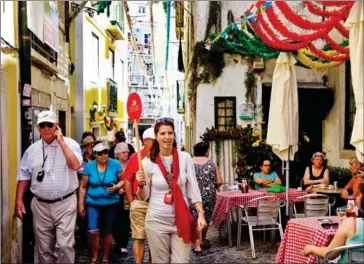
(287, 188)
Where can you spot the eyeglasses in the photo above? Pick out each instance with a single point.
(164, 120)
(102, 152)
(46, 124)
(327, 226)
(266, 165)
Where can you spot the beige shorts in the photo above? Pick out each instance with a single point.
(138, 212)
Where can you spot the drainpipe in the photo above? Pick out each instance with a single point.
(25, 72)
(26, 125)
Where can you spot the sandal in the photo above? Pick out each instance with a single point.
(197, 251)
(206, 245)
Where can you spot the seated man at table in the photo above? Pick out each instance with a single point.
(350, 232)
(356, 168)
(266, 177)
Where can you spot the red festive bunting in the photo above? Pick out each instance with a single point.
(306, 24)
(322, 55)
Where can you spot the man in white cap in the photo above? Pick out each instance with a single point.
(50, 167)
(138, 207)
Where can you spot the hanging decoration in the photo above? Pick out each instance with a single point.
(102, 5)
(260, 32)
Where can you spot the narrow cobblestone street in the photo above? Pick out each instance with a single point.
(219, 252)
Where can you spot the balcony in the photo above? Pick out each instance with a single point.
(138, 80)
(116, 27)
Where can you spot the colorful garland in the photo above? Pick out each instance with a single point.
(306, 24)
(314, 65)
(313, 9)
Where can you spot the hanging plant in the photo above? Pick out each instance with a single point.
(214, 19)
(250, 84)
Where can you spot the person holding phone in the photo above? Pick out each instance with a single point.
(50, 167)
(171, 181)
(100, 185)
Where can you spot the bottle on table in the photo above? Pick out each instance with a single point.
(244, 186)
(352, 207)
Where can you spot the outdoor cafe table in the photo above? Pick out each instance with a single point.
(326, 190)
(301, 232)
(227, 200)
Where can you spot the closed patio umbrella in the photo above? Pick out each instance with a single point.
(283, 113)
(355, 23)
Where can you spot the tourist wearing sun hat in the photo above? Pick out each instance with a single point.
(99, 191)
(50, 167)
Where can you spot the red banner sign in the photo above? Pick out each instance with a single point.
(134, 106)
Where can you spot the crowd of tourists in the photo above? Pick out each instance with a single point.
(160, 194)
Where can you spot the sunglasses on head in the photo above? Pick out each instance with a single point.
(164, 120)
(102, 152)
(46, 124)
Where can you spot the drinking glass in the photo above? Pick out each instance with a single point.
(341, 212)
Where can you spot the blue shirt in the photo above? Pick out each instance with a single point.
(272, 176)
(99, 182)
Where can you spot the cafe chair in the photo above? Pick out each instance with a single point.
(314, 205)
(268, 217)
(355, 253)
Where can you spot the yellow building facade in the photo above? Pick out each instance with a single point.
(10, 132)
(99, 87)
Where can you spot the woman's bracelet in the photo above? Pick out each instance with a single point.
(200, 211)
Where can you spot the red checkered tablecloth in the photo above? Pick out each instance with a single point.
(225, 201)
(301, 232)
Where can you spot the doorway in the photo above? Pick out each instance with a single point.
(315, 101)
(62, 121)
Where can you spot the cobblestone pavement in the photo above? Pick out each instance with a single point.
(218, 253)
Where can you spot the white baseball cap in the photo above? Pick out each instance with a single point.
(47, 116)
(100, 146)
(149, 133)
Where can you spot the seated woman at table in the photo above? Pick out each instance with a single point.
(317, 173)
(350, 232)
(266, 177)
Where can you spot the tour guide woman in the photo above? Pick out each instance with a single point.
(169, 176)
(100, 184)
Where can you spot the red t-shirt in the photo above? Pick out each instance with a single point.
(131, 170)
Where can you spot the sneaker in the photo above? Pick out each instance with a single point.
(124, 250)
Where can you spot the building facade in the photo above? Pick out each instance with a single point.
(326, 101)
(9, 133)
(100, 86)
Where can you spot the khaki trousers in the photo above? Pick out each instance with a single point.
(54, 227)
(164, 243)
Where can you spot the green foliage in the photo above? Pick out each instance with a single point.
(214, 19)
(251, 148)
(250, 84)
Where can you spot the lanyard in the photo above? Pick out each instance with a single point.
(98, 175)
(44, 158)
(167, 176)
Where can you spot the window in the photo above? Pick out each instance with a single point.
(146, 38)
(95, 56)
(112, 63)
(112, 89)
(349, 107)
(141, 9)
(225, 112)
